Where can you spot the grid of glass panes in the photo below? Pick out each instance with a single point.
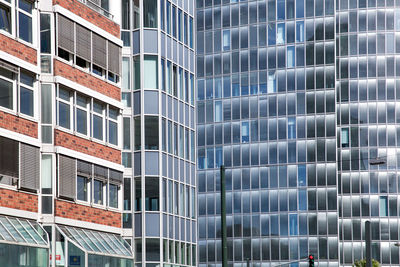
(266, 110)
(158, 93)
(367, 91)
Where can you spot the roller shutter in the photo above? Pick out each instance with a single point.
(67, 176)
(66, 37)
(30, 167)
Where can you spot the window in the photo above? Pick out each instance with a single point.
(280, 37)
(6, 89)
(151, 132)
(64, 108)
(82, 188)
(113, 195)
(81, 114)
(152, 194)
(113, 126)
(25, 20)
(150, 13)
(98, 192)
(5, 18)
(45, 43)
(150, 72)
(97, 120)
(88, 50)
(87, 116)
(344, 136)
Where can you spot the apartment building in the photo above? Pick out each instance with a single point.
(61, 172)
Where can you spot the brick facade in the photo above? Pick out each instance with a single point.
(90, 15)
(18, 200)
(17, 49)
(86, 146)
(67, 71)
(88, 214)
(18, 124)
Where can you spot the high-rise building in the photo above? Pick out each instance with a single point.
(158, 62)
(297, 98)
(61, 177)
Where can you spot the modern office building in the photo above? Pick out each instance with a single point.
(61, 177)
(158, 62)
(367, 89)
(297, 98)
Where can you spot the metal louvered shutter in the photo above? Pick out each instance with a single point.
(114, 58)
(30, 167)
(116, 176)
(100, 172)
(66, 36)
(99, 51)
(9, 155)
(83, 42)
(84, 168)
(67, 176)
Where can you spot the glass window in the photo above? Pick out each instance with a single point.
(150, 13)
(25, 20)
(64, 112)
(46, 174)
(226, 40)
(5, 18)
(81, 115)
(113, 126)
(344, 137)
(383, 206)
(150, 72)
(280, 35)
(97, 121)
(113, 195)
(82, 188)
(98, 192)
(26, 101)
(151, 132)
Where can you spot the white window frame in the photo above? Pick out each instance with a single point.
(35, 82)
(102, 115)
(70, 103)
(117, 122)
(14, 91)
(89, 189)
(32, 16)
(86, 109)
(118, 195)
(104, 193)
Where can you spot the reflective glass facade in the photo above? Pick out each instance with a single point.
(266, 110)
(368, 88)
(158, 63)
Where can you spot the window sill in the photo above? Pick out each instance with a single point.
(87, 70)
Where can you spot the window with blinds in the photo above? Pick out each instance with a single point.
(88, 182)
(85, 47)
(9, 163)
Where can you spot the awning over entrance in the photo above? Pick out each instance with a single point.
(22, 232)
(95, 242)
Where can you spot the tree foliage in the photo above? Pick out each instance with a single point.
(363, 263)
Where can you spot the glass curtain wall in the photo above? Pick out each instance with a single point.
(368, 88)
(159, 131)
(266, 110)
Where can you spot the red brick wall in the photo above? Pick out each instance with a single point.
(85, 79)
(86, 146)
(18, 125)
(90, 15)
(88, 214)
(18, 49)
(18, 200)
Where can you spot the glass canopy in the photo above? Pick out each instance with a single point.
(22, 232)
(95, 242)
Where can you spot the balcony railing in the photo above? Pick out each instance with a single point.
(96, 6)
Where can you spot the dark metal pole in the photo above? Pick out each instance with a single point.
(368, 243)
(248, 262)
(223, 219)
